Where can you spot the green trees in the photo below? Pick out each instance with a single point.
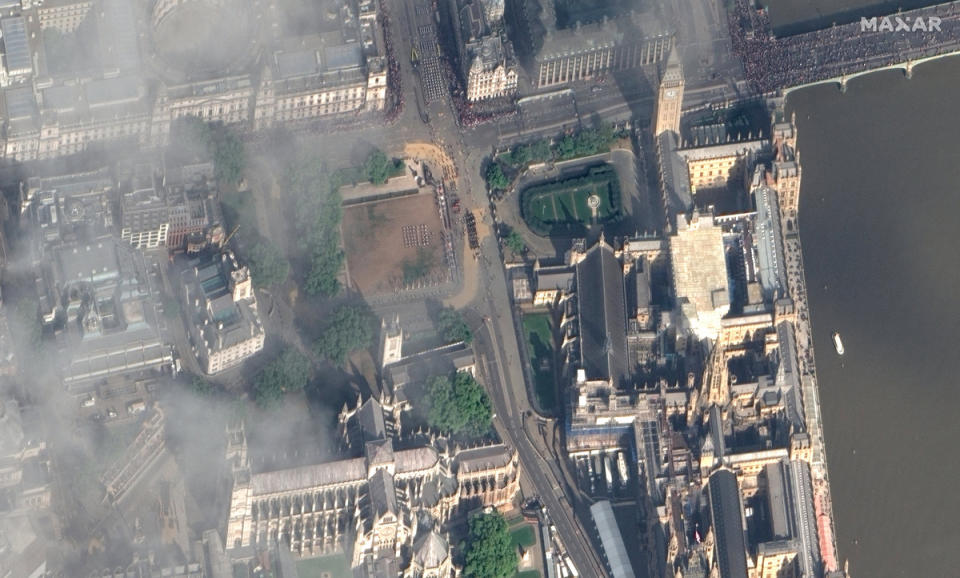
(290, 371)
(350, 328)
(377, 167)
(458, 405)
(489, 551)
(496, 180)
(268, 267)
(452, 327)
(516, 243)
(229, 157)
(588, 141)
(316, 220)
(196, 138)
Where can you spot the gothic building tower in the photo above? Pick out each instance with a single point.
(670, 97)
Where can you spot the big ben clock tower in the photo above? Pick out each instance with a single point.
(670, 98)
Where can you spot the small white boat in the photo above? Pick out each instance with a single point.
(837, 343)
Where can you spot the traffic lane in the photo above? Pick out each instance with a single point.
(571, 534)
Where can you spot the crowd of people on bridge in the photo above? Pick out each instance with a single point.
(772, 63)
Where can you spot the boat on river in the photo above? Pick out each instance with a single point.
(837, 343)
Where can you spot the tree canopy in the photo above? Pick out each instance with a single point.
(290, 371)
(268, 266)
(490, 552)
(515, 242)
(452, 327)
(229, 157)
(316, 219)
(459, 405)
(377, 167)
(350, 328)
(496, 180)
(196, 138)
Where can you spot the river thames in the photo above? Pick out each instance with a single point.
(880, 222)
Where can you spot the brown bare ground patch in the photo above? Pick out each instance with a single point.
(373, 238)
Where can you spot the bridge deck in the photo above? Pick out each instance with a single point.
(773, 64)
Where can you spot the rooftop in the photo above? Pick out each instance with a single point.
(611, 539)
(602, 314)
(15, 45)
(727, 519)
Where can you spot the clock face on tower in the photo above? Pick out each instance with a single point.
(671, 93)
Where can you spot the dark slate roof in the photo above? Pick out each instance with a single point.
(383, 493)
(728, 524)
(549, 278)
(602, 315)
(371, 420)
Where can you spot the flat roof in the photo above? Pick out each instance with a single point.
(15, 44)
(297, 63)
(20, 103)
(611, 539)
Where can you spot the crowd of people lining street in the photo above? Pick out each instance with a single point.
(773, 63)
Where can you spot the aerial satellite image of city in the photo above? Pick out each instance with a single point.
(479, 288)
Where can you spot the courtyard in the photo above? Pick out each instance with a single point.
(538, 334)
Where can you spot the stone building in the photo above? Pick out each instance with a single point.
(786, 168)
(383, 506)
(218, 292)
(699, 272)
(227, 100)
(63, 15)
(486, 56)
(669, 97)
(309, 83)
(591, 50)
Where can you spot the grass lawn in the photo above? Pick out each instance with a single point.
(332, 566)
(539, 338)
(528, 574)
(543, 208)
(564, 203)
(523, 536)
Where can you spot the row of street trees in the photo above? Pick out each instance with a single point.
(502, 170)
(316, 220)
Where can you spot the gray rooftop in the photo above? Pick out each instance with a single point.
(343, 56)
(339, 472)
(371, 421)
(430, 550)
(550, 278)
(484, 458)
(121, 89)
(15, 44)
(727, 518)
(383, 494)
(611, 540)
(602, 315)
(20, 103)
(297, 63)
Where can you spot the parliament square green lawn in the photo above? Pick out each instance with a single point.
(569, 205)
(332, 566)
(539, 338)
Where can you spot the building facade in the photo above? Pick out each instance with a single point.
(669, 97)
(592, 50)
(378, 507)
(219, 294)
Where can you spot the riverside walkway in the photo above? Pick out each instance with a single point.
(826, 533)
